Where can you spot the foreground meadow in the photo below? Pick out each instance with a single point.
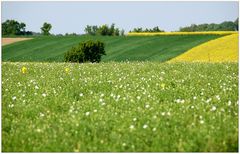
(137, 106)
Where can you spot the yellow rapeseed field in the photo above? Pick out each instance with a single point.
(223, 49)
(182, 33)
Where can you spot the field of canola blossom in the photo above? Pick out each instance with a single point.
(181, 33)
(137, 106)
(223, 49)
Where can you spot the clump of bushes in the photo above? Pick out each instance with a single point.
(88, 51)
(104, 30)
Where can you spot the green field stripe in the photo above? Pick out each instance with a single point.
(140, 48)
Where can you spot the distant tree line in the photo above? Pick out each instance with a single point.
(138, 30)
(224, 26)
(104, 30)
(13, 27)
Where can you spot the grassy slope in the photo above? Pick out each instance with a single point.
(152, 48)
(178, 107)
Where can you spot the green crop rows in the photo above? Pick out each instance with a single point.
(128, 48)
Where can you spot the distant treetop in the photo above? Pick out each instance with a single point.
(104, 30)
(224, 26)
(46, 28)
(13, 27)
(138, 30)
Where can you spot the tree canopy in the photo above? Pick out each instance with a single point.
(140, 29)
(104, 30)
(13, 27)
(224, 26)
(46, 28)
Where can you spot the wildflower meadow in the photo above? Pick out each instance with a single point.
(119, 107)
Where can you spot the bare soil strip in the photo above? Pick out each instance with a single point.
(6, 41)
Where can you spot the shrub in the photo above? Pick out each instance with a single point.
(89, 51)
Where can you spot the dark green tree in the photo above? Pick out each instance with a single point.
(88, 51)
(155, 29)
(103, 30)
(228, 26)
(236, 24)
(88, 30)
(117, 32)
(46, 28)
(112, 30)
(122, 32)
(94, 30)
(224, 26)
(13, 27)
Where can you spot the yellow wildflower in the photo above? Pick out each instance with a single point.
(24, 70)
(163, 85)
(67, 70)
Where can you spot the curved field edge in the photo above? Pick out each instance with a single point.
(9, 40)
(224, 49)
(134, 48)
(120, 107)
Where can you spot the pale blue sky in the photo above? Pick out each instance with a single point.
(68, 17)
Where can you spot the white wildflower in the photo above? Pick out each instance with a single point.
(218, 97)
(41, 114)
(11, 105)
(14, 98)
(182, 101)
(201, 121)
(229, 103)
(44, 95)
(131, 127)
(208, 100)
(100, 100)
(213, 108)
(87, 113)
(145, 126)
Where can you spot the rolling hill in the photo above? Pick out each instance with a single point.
(132, 48)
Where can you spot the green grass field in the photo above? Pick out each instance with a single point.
(131, 48)
(135, 106)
